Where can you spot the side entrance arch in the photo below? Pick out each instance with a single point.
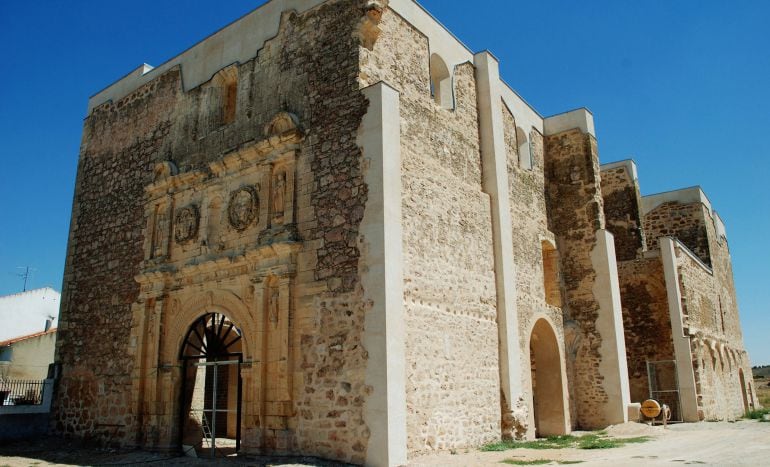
(211, 355)
(549, 403)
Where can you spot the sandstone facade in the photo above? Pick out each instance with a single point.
(374, 246)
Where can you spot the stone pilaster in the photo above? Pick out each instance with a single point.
(495, 183)
(382, 278)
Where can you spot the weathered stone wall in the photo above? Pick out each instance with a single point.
(622, 202)
(685, 222)
(121, 141)
(311, 70)
(718, 353)
(530, 230)
(646, 321)
(573, 197)
(453, 385)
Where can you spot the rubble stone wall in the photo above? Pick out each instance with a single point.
(530, 229)
(707, 302)
(453, 382)
(685, 222)
(646, 322)
(573, 197)
(309, 69)
(622, 200)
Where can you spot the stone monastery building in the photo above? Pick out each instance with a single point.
(331, 229)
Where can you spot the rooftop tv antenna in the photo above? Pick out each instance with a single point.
(25, 275)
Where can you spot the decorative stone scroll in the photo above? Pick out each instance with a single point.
(283, 122)
(243, 207)
(186, 224)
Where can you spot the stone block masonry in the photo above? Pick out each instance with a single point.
(599, 386)
(330, 229)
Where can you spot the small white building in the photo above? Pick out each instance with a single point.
(28, 323)
(28, 312)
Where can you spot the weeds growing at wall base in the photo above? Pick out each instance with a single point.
(596, 440)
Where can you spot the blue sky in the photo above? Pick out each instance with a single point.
(682, 87)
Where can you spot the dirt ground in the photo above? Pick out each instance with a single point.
(718, 443)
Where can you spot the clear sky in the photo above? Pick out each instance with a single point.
(682, 86)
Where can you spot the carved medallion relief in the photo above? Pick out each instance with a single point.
(243, 207)
(186, 224)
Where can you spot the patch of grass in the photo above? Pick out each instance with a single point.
(599, 443)
(757, 414)
(596, 440)
(523, 462)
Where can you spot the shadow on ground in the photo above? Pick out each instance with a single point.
(58, 451)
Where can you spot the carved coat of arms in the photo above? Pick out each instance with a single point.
(186, 224)
(243, 207)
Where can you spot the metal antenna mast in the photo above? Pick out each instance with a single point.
(25, 275)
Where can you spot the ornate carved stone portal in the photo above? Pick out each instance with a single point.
(228, 254)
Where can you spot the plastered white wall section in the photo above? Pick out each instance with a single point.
(687, 391)
(25, 313)
(240, 41)
(609, 323)
(31, 357)
(495, 183)
(382, 278)
(578, 118)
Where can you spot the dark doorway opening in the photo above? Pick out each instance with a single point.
(210, 419)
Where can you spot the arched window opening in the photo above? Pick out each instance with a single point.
(230, 100)
(525, 149)
(441, 82)
(551, 274)
(220, 100)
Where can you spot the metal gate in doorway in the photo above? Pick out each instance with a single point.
(210, 421)
(664, 386)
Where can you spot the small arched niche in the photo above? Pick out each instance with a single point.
(441, 82)
(551, 274)
(214, 224)
(525, 150)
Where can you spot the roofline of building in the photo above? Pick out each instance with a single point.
(27, 292)
(15, 340)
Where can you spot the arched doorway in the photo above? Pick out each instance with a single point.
(743, 391)
(211, 354)
(547, 384)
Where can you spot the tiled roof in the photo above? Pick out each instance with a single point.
(28, 336)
